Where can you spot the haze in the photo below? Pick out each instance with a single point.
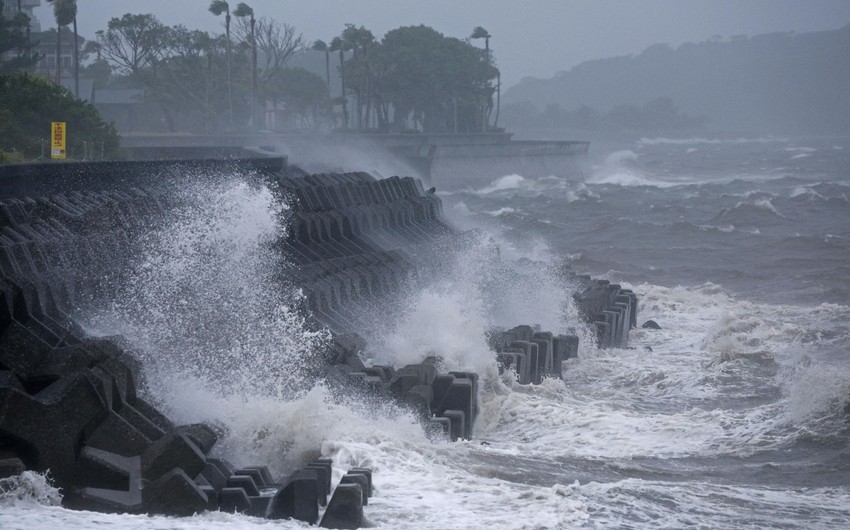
(535, 39)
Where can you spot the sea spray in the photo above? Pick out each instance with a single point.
(208, 301)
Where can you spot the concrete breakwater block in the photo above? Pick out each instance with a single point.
(612, 309)
(445, 401)
(532, 354)
(345, 510)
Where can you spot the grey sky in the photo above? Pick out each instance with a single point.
(530, 38)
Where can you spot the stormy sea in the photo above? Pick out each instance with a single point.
(733, 415)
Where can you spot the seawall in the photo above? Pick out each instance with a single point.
(448, 161)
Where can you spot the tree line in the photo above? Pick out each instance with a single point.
(414, 79)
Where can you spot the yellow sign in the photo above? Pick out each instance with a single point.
(57, 139)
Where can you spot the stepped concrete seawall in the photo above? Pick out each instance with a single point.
(78, 406)
(448, 161)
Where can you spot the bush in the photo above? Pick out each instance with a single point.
(28, 103)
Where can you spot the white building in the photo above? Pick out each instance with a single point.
(12, 7)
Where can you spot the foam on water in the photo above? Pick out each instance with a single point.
(502, 211)
(619, 169)
(674, 400)
(635, 503)
(709, 141)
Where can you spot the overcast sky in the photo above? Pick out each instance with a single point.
(530, 37)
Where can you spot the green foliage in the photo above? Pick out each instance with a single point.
(439, 83)
(303, 93)
(480, 33)
(64, 11)
(217, 7)
(132, 42)
(99, 71)
(243, 10)
(29, 103)
(15, 52)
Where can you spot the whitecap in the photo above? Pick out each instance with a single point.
(502, 211)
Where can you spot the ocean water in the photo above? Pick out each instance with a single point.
(730, 416)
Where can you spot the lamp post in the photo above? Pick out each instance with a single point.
(217, 7)
(244, 10)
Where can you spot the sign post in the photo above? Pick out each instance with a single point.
(57, 139)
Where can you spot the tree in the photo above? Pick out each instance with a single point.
(339, 45)
(275, 42)
(443, 83)
(322, 46)
(358, 74)
(303, 94)
(480, 33)
(187, 78)
(28, 104)
(243, 10)
(132, 42)
(65, 12)
(217, 7)
(15, 48)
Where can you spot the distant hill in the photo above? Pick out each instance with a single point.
(774, 83)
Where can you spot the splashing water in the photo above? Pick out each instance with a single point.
(208, 298)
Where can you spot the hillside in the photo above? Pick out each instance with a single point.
(773, 83)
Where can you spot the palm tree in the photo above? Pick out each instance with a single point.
(76, 56)
(481, 33)
(337, 44)
(217, 7)
(321, 46)
(65, 12)
(244, 10)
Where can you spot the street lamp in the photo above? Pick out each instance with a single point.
(217, 7)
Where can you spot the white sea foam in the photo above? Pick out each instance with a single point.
(759, 204)
(800, 149)
(619, 169)
(502, 211)
(710, 141)
(28, 489)
(664, 403)
(518, 184)
(703, 504)
(508, 182)
(807, 191)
